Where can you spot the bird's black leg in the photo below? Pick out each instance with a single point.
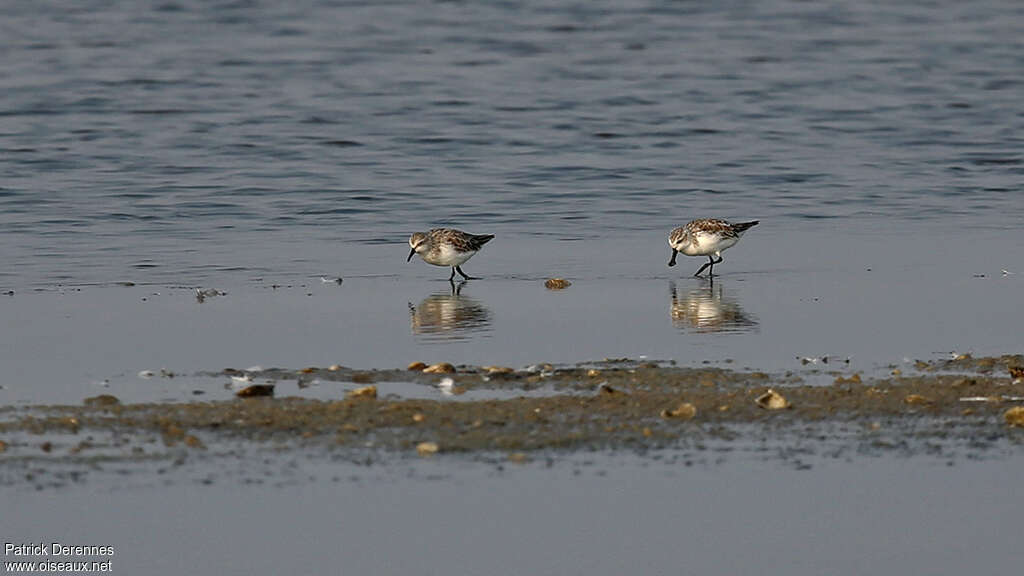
(711, 272)
(464, 274)
(452, 277)
(710, 262)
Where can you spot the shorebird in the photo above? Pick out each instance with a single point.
(706, 237)
(447, 247)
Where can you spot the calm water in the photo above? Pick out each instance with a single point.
(878, 516)
(192, 142)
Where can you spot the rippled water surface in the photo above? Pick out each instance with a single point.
(188, 141)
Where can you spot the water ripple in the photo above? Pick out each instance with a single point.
(357, 122)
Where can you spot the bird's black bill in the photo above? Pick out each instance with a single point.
(672, 262)
(411, 254)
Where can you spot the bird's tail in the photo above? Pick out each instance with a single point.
(743, 226)
(477, 241)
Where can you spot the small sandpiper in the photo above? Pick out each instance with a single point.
(447, 247)
(706, 237)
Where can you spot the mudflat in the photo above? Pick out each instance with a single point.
(962, 407)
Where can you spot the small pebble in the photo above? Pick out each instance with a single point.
(684, 411)
(772, 400)
(364, 392)
(916, 399)
(256, 390)
(1015, 416)
(427, 448)
(442, 368)
(557, 284)
(498, 369)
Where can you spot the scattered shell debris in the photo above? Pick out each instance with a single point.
(448, 387)
(427, 448)
(363, 392)
(1015, 416)
(202, 295)
(498, 370)
(557, 284)
(916, 399)
(772, 400)
(685, 411)
(255, 391)
(441, 368)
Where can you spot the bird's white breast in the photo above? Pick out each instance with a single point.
(704, 244)
(447, 255)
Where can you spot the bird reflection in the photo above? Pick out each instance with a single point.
(449, 315)
(709, 308)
